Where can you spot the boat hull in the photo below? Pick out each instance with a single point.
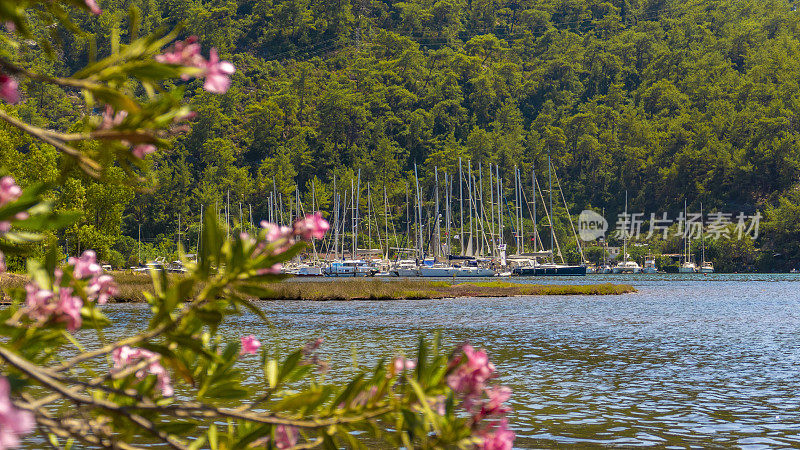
(550, 271)
(442, 272)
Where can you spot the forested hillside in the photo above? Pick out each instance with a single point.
(695, 100)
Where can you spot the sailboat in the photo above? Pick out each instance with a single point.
(688, 266)
(626, 266)
(532, 267)
(705, 266)
(470, 266)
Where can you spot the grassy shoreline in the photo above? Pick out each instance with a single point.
(131, 288)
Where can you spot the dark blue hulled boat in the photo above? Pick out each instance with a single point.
(549, 270)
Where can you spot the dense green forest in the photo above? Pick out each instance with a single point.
(670, 101)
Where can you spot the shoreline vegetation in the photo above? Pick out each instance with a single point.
(132, 286)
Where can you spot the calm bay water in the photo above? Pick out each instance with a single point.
(689, 359)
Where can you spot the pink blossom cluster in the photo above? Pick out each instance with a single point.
(312, 226)
(470, 372)
(285, 436)
(187, 53)
(126, 356)
(400, 364)
(101, 287)
(10, 192)
(112, 119)
(92, 5)
(43, 305)
(13, 422)
(250, 345)
(9, 89)
(61, 304)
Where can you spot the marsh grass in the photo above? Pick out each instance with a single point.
(132, 287)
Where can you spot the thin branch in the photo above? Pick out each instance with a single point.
(42, 377)
(91, 167)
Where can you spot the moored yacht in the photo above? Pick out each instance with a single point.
(627, 267)
(349, 268)
(405, 268)
(688, 267)
(535, 268)
(649, 265)
(707, 267)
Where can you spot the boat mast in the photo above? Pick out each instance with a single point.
(685, 239)
(499, 204)
(491, 208)
(625, 233)
(535, 225)
(386, 218)
(420, 248)
(550, 177)
(335, 220)
(369, 218)
(702, 236)
(470, 249)
(436, 214)
(461, 204)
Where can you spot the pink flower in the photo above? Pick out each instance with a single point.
(86, 266)
(400, 364)
(9, 89)
(2, 262)
(250, 345)
(142, 150)
(498, 437)
(470, 377)
(102, 288)
(218, 74)
(280, 234)
(275, 269)
(38, 301)
(183, 53)
(13, 422)
(9, 191)
(69, 308)
(125, 356)
(187, 53)
(92, 5)
(495, 406)
(285, 436)
(43, 305)
(313, 226)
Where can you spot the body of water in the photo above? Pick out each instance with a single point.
(706, 360)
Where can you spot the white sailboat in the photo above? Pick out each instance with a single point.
(626, 266)
(705, 266)
(688, 266)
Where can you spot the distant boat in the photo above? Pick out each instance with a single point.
(627, 267)
(405, 268)
(349, 268)
(309, 271)
(688, 266)
(649, 265)
(470, 269)
(705, 266)
(549, 269)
